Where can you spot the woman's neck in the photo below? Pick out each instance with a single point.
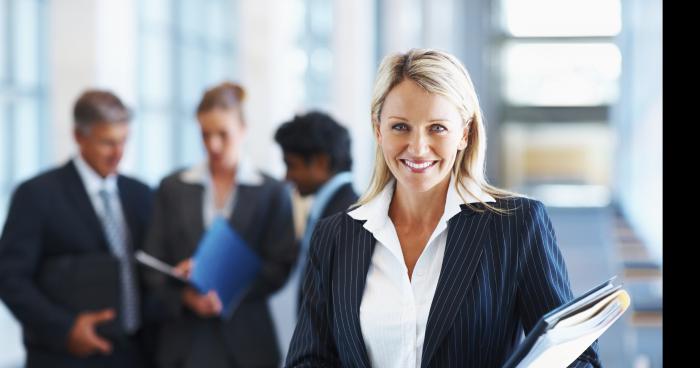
(223, 179)
(222, 172)
(410, 208)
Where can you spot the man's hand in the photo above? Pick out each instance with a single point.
(204, 305)
(82, 338)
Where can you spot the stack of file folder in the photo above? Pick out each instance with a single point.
(561, 335)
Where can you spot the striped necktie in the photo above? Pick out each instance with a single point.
(117, 238)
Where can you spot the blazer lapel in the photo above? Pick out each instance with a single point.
(130, 215)
(352, 262)
(79, 197)
(464, 248)
(192, 213)
(242, 216)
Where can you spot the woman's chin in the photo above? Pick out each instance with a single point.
(412, 183)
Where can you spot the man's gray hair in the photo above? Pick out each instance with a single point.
(98, 106)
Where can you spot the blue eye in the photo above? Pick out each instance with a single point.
(400, 127)
(438, 128)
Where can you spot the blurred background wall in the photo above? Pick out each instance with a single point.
(571, 90)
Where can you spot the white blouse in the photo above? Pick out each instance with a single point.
(200, 174)
(394, 310)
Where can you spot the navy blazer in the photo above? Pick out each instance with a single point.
(500, 274)
(51, 216)
(341, 200)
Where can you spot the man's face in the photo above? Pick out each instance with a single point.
(309, 176)
(102, 146)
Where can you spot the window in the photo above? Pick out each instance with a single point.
(23, 90)
(562, 18)
(23, 123)
(185, 46)
(317, 43)
(559, 75)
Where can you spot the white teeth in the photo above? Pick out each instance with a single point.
(414, 165)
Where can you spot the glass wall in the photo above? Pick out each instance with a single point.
(559, 75)
(23, 94)
(23, 122)
(185, 46)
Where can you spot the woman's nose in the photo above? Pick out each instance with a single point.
(418, 144)
(214, 144)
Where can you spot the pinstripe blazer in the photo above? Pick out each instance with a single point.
(500, 274)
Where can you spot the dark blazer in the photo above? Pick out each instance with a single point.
(52, 216)
(500, 274)
(343, 198)
(340, 201)
(262, 216)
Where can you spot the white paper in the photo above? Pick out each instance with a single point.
(157, 264)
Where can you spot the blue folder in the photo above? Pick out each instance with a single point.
(225, 263)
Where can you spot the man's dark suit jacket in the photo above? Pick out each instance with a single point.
(340, 201)
(500, 274)
(52, 216)
(262, 216)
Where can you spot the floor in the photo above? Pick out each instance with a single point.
(597, 244)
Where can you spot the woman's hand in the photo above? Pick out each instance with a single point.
(184, 268)
(204, 305)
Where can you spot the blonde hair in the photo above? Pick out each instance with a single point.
(439, 73)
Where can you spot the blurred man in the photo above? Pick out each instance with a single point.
(317, 155)
(66, 266)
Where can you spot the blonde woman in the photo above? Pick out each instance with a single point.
(433, 267)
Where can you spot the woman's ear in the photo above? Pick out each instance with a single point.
(377, 131)
(465, 137)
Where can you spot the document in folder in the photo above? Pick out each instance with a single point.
(225, 263)
(561, 335)
(158, 265)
